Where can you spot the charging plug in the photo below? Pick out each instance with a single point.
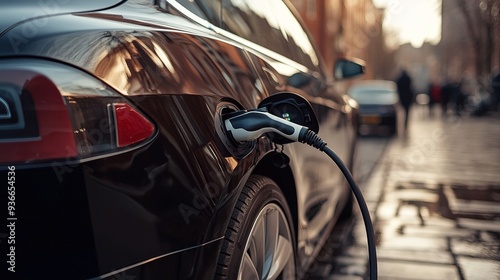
(243, 126)
(250, 125)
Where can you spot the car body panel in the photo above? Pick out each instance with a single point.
(16, 12)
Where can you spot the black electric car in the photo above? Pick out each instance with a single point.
(113, 157)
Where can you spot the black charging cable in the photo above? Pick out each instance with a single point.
(312, 139)
(249, 125)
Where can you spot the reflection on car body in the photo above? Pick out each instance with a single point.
(119, 167)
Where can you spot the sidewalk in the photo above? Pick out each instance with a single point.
(434, 198)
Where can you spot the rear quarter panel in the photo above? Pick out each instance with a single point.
(179, 191)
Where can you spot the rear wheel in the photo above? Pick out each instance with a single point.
(259, 241)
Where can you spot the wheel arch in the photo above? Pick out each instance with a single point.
(284, 178)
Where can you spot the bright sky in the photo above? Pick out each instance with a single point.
(413, 21)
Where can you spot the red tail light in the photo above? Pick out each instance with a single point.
(131, 126)
(50, 111)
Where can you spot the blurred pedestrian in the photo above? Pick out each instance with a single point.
(405, 94)
(458, 98)
(446, 95)
(434, 93)
(495, 87)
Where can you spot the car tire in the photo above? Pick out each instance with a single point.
(259, 241)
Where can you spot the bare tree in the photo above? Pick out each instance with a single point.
(482, 18)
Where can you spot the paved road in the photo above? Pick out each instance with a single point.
(434, 198)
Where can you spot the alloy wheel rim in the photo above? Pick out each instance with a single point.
(268, 251)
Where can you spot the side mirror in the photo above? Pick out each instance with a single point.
(348, 68)
(299, 80)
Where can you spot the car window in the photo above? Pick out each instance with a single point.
(378, 97)
(254, 20)
(208, 10)
(271, 24)
(299, 44)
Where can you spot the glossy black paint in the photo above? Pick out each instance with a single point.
(160, 211)
(21, 12)
(53, 223)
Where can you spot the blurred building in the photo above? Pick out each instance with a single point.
(423, 65)
(456, 52)
(351, 28)
(461, 52)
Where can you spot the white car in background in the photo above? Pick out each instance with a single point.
(379, 106)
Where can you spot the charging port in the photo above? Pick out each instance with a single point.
(231, 147)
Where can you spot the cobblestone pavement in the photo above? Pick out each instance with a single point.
(434, 198)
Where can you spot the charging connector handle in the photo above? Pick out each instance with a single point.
(251, 125)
